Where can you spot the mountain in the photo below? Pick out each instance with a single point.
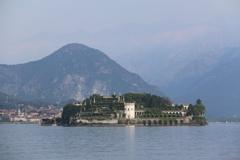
(72, 72)
(210, 74)
(219, 86)
(10, 101)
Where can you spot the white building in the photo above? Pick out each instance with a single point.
(129, 110)
(185, 106)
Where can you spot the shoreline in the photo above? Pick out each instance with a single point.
(130, 125)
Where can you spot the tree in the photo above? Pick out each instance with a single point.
(190, 110)
(147, 100)
(69, 111)
(199, 101)
(199, 108)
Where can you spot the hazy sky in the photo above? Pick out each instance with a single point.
(30, 30)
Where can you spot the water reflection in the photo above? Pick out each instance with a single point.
(130, 135)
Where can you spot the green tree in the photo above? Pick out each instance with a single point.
(147, 100)
(69, 111)
(190, 110)
(199, 108)
(199, 102)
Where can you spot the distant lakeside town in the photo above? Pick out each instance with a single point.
(29, 114)
(140, 109)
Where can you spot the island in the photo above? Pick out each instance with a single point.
(138, 109)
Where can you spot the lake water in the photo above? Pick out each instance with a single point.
(217, 141)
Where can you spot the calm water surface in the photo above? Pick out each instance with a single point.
(217, 141)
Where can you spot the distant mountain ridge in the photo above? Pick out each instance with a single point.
(72, 72)
(8, 101)
(220, 86)
(210, 74)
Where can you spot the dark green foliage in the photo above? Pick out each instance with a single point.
(98, 102)
(69, 111)
(197, 110)
(147, 100)
(104, 107)
(190, 110)
(199, 120)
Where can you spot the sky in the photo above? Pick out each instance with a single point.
(34, 29)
